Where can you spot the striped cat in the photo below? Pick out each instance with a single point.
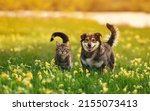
(63, 56)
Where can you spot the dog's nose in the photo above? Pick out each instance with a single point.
(89, 45)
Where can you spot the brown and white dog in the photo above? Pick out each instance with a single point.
(95, 53)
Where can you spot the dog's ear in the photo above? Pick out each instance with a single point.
(83, 36)
(98, 35)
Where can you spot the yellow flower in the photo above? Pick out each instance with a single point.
(40, 76)
(37, 62)
(116, 76)
(87, 71)
(75, 72)
(26, 81)
(105, 89)
(47, 65)
(19, 79)
(76, 63)
(52, 62)
(128, 45)
(29, 75)
(20, 90)
(88, 74)
(4, 75)
(134, 91)
(136, 61)
(48, 91)
(61, 86)
(125, 89)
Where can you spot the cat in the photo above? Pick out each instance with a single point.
(63, 57)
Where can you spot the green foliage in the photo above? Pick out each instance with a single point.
(27, 64)
(76, 5)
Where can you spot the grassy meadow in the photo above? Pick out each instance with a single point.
(27, 58)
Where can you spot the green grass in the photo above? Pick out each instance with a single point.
(27, 65)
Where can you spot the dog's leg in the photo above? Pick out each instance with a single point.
(102, 68)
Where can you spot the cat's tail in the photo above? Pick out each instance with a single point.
(61, 35)
(114, 34)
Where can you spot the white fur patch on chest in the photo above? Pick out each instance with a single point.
(90, 62)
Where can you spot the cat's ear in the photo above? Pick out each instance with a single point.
(57, 43)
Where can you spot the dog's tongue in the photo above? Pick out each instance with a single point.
(89, 49)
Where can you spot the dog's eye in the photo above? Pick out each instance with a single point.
(93, 40)
(86, 40)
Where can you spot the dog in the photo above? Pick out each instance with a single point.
(95, 53)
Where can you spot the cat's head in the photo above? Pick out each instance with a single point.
(62, 49)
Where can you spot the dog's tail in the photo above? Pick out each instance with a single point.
(114, 34)
(61, 35)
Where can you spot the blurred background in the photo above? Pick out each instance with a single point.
(76, 5)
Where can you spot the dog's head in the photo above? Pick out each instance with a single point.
(90, 42)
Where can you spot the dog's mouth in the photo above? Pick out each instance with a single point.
(90, 49)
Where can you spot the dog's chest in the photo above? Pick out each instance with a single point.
(92, 63)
